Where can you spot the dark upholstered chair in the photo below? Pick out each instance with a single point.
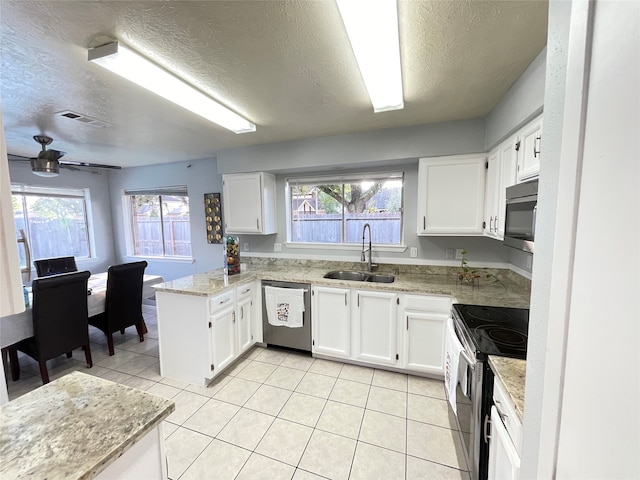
(54, 266)
(59, 321)
(123, 305)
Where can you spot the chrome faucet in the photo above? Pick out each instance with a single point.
(362, 255)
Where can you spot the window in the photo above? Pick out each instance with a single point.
(334, 210)
(160, 223)
(54, 220)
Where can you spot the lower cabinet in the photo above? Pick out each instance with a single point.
(506, 436)
(199, 336)
(331, 321)
(374, 327)
(381, 327)
(424, 323)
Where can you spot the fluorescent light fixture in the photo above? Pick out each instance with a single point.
(372, 27)
(123, 61)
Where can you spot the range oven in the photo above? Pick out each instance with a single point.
(483, 331)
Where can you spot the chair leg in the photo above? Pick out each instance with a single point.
(144, 327)
(110, 343)
(140, 330)
(43, 371)
(69, 354)
(15, 364)
(87, 355)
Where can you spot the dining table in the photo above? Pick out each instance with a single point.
(19, 326)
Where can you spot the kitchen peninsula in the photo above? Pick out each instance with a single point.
(82, 427)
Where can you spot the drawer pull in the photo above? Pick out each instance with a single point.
(245, 291)
(224, 301)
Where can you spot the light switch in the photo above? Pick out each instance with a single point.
(277, 247)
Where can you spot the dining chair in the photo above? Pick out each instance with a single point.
(59, 322)
(54, 266)
(123, 304)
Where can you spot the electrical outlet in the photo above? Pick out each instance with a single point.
(277, 247)
(529, 260)
(413, 253)
(246, 246)
(459, 253)
(450, 254)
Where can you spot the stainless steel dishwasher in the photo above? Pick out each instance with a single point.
(281, 336)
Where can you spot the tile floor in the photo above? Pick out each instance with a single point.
(281, 415)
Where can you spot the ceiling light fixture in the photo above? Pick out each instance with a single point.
(46, 164)
(372, 27)
(123, 61)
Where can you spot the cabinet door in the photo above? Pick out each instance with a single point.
(529, 151)
(451, 195)
(223, 337)
(504, 462)
(242, 203)
(492, 194)
(424, 341)
(331, 321)
(244, 310)
(374, 327)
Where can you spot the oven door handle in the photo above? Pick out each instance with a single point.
(485, 428)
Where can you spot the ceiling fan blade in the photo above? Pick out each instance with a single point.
(18, 158)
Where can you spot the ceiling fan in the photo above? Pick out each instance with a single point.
(47, 163)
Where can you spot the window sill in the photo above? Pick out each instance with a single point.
(135, 258)
(345, 246)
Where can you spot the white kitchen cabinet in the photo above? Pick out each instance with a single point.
(249, 203)
(451, 195)
(200, 336)
(424, 321)
(331, 321)
(501, 173)
(245, 302)
(529, 139)
(506, 436)
(223, 331)
(374, 327)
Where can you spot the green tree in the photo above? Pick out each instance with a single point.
(353, 196)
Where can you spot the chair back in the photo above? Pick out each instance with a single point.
(123, 306)
(60, 313)
(54, 266)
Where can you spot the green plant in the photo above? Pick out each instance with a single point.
(467, 275)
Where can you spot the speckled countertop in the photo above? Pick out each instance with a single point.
(489, 293)
(74, 427)
(511, 373)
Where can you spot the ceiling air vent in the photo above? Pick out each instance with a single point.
(94, 122)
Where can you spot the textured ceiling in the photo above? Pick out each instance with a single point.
(285, 65)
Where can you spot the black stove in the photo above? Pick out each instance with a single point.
(495, 330)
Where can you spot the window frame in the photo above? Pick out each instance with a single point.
(344, 178)
(129, 230)
(60, 192)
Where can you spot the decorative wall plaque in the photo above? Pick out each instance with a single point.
(213, 217)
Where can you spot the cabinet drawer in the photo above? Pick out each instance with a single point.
(507, 412)
(431, 303)
(245, 290)
(221, 301)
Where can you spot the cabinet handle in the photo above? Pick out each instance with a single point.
(536, 152)
(345, 298)
(358, 300)
(491, 224)
(233, 315)
(258, 223)
(242, 313)
(224, 301)
(485, 427)
(424, 223)
(500, 414)
(495, 223)
(407, 317)
(245, 291)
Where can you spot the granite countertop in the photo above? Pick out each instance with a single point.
(74, 427)
(511, 373)
(489, 293)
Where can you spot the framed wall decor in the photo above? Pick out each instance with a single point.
(213, 217)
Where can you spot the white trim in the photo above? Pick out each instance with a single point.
(345, 246)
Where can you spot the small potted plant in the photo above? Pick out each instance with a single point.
(466, 275)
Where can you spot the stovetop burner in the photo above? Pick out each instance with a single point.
(495, 330)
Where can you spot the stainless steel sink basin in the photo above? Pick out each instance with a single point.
(343, 275)
(360, 276)
(380, 278)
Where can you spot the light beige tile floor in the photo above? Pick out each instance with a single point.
(282, 415)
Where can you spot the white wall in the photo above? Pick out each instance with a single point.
(200, 177)
(583, 366)
(98, 185)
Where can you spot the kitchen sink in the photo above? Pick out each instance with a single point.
(360, 276)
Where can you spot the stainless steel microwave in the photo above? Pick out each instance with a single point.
(520, 215)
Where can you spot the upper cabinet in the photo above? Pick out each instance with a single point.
(249, 203)
(528, 148)
(451, 195)
(501, 173)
